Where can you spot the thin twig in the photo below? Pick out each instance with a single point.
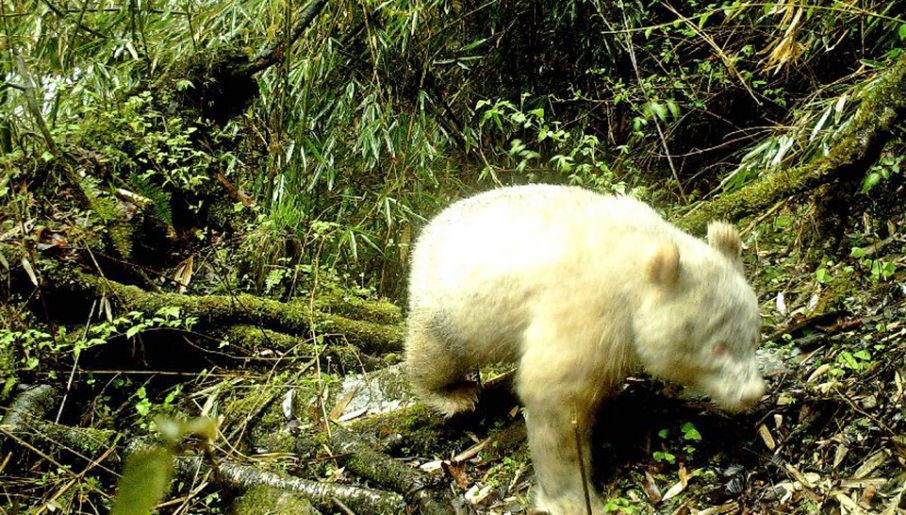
(79, 477)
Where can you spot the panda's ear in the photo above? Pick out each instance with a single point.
(724, 237)
(663, 265)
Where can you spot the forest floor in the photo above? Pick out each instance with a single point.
(302, 417)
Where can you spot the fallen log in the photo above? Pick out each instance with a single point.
(362, 458)
(264, 500)
(322, 495)
(24, 424)
(32, 403)
(219, 311)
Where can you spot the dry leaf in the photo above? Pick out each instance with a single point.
(874, 461)
(730, 507)
(287, 404)
(684, 475)
(868, 495)
(846, 502)
(820, 371)
(680, 485)
(432, 467)
(781, 303)
(342, 402)
(839, 454)
(898, 381)
(107, 308)
(849, 484)
(766, 437)
(477, 495)
(183, 274)
(50, 239)
(894, 506)
(651, 490)
(458, 472)
(354, 414)
(30, 271)
(674, 490)
(806, 480)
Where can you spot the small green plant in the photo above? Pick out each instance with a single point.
(619, 505)
(690, 435)
(856, 361)
(822, 275)
(887, 166)
(664, 456)
(31, 349)
(879, 269)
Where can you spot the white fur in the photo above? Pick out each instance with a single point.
(577, 288)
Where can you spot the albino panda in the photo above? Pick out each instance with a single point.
(578, 289)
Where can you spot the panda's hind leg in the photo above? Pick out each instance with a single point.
(437, 373)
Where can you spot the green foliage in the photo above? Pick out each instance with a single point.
(378, 116)
(822, 275)
(581, 159)
(690, 432)
(619, 505)
(664, 456)
(139, 141)
(35, 350)
(888, 166)
(105, 215)
(160, 199)
(689, 437)
(879, 269)
(851, 361)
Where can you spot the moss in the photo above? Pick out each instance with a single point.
(29, 404)
(349, 304)
(87, 440)
(371, 337)
(263, 500)
(261, 414)
(364, 460)
(271, 432)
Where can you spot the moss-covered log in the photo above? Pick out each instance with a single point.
(857, 148)
(264, 500)
(24, 425)
(322, 495)
(362, 458)
(419, 430)
(32, 403)
(341, 302)
(220, 311)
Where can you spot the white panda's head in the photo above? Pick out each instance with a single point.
(698, 322)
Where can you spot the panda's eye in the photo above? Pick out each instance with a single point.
(720, 349)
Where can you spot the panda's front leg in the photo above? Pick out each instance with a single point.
(561, 393)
